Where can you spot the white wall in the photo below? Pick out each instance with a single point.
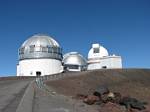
(116, 62)
(18, 69)
(110, 62)
(45, 66)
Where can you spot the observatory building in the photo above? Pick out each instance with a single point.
(73, 61)
(39, 55)
(42, 55)
(99, 58)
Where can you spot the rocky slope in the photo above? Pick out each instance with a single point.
(129, 82)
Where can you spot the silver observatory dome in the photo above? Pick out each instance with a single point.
(74, 58)
(40, 46)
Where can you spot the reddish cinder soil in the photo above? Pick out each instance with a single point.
(129, 82)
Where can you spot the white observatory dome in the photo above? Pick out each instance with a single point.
(40, 46)
(74, 60)
(97, 51)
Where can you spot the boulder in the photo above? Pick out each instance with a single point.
(101, 90)
(91, 99)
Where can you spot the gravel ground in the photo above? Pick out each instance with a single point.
(60, 95)
(47, 100)
(129, 82)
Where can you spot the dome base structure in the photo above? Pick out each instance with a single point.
(32, 67)
(109, 62)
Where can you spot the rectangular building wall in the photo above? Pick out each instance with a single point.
(111, 62)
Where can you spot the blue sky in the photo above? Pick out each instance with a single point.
(122, 26)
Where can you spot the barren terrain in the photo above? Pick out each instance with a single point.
(129, 82)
